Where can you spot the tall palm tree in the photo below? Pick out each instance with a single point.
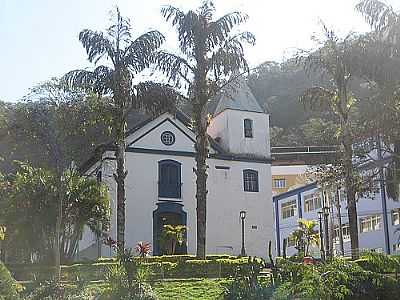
(334, 59)
(123, 58)
(381, 50)
(210, 52)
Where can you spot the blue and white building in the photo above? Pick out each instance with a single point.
(378, 218)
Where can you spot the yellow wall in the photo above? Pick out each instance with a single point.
(291, 180)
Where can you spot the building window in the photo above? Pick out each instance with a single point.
(169, 179)
(289, 209)
(396, 216)
(250, 180)
(280, 183)
(290, 241)
(167, 138)
(370, 223)
(396, 247)
(248, 128)
(345, 232)
(312, 202)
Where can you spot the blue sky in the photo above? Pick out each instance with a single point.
(40, 37)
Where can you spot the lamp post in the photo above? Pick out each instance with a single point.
(242, 217)
(320, 216)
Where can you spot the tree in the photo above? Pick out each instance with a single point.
(305, 236)
(31, 211)
(210, 54)
(380, 50)
(124, 59)
(334, 59)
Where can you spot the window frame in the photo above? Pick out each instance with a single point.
(311, 200)
(163, 187)
(279, 180)
(394, 212)
(370, 223)
(250, 184)
(285, 207)
(248, 128)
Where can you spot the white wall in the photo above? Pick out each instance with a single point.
(226, 197)
(228, 125)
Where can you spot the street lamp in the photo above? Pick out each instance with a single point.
(242, 217)
(321, 244)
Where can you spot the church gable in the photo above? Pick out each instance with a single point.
(166, 133)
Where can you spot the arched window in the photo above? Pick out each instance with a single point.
(250, 180)
(169, 179)
(248, 128)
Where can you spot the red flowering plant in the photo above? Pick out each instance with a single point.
(143, 249)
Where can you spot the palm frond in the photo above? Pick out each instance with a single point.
(377, 13)
(97, 81)
(173, 66)
(172, 13)
(230, 57)
(207, 10)
(121, 28)
(96, 45)
(220, 29)
(140, 53)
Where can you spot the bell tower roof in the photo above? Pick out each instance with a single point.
(237, 96)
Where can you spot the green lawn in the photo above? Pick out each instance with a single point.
(204, 289)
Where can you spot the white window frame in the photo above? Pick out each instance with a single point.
(289, 209)
(370, 223)
(395, 216)
(345, 233)
(312, 201)
(277, 183)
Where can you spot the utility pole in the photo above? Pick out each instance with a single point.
(321, 237)
(337, 202)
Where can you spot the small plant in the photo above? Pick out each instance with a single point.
(305, 236)
(171, 236)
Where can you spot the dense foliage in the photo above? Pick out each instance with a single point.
(31, 208)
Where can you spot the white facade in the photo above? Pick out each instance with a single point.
(371, 219)
(147, 196)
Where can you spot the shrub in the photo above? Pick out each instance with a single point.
(337, 279)
(8, 287)
(379, 262)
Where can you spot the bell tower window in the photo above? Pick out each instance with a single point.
(248, 128)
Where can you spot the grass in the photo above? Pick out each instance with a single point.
(192, 289)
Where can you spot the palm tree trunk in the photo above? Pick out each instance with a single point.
(201, 180)
(120, 180)
(351, 194)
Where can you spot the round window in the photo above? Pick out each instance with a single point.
(167, 138)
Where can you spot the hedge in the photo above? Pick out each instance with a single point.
(179, 266)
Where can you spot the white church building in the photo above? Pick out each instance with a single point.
(161, 184)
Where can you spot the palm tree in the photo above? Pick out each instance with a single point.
(305, 236)
(124, 58)
(210, 53)
(381, 50)
(334, 59)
